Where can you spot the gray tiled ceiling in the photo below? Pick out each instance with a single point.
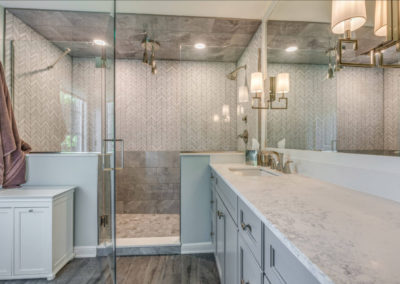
(225, 38)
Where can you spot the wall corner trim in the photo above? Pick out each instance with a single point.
(204, 247)
(85, 251)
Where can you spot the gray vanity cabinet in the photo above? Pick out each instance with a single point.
(249, 271)
(220, 238)
(281, 266)
(226, 244)
(231, 250)
(226, 238)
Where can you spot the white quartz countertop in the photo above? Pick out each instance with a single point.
(350, 236)
(34, 192)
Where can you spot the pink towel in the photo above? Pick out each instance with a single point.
(12, 148)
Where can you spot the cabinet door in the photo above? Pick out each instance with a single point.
(213, 217)
(250, 272)
(6, 241)
(220, 238)
(32, 246)
(231, 251)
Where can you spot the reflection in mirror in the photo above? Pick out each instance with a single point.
(332, 107)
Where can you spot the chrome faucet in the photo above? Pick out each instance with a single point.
(278, 163)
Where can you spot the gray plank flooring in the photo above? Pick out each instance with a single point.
(163, 269)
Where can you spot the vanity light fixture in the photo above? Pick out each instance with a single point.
(381, 16)
(348, 16)
(99, 42)
(278, 85)
(243, 96)
(291, 49)
(200, 45)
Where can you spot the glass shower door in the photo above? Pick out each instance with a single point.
(105, 64)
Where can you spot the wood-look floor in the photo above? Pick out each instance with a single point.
(164, 269)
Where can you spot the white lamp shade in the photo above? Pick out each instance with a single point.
(380, 28)
(348, 15)
(282, 83)
(243, 94)
(257, 84)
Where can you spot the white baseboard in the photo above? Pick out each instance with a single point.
(205, 247)
(85, 251)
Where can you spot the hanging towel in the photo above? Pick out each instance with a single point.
(12, 148)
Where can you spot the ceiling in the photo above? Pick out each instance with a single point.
(244, 9)
(226, 38)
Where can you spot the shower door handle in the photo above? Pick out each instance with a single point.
(105, 154)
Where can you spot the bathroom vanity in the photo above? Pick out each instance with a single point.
(268, 227)
(36, 238)
(296, 229)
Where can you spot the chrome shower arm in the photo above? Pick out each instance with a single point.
(68, 50)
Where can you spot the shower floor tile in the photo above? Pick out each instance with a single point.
(147, 225)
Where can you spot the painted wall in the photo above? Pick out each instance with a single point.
(80, 170)
(376, 175)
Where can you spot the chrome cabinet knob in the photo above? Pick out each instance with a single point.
(245, 227)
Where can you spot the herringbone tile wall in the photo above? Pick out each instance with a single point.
(310, 120)
(42, 121)
(391, 106)
(360, 112)
(250, 59)
(174, 110)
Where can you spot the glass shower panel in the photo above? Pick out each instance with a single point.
(62, 87)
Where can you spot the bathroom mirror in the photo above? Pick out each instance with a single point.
(351, 109)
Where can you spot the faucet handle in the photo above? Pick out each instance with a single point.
(286, 168)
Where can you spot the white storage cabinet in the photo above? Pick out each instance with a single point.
(36, 236)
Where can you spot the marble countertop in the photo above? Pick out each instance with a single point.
(34, 192)
(349, 236)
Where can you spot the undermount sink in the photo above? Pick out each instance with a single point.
(252, 172)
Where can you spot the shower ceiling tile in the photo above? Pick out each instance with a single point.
(225, 38)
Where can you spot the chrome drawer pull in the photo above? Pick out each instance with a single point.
(246, 227)
(220, 214)
(271, 256)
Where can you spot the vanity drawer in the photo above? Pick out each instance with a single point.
(250, 227)
(228, 197)
(281, 266)
(249, 271)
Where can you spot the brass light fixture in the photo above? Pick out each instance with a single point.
(349, 15)
(277, 85)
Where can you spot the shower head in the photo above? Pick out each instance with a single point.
(233, 75)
